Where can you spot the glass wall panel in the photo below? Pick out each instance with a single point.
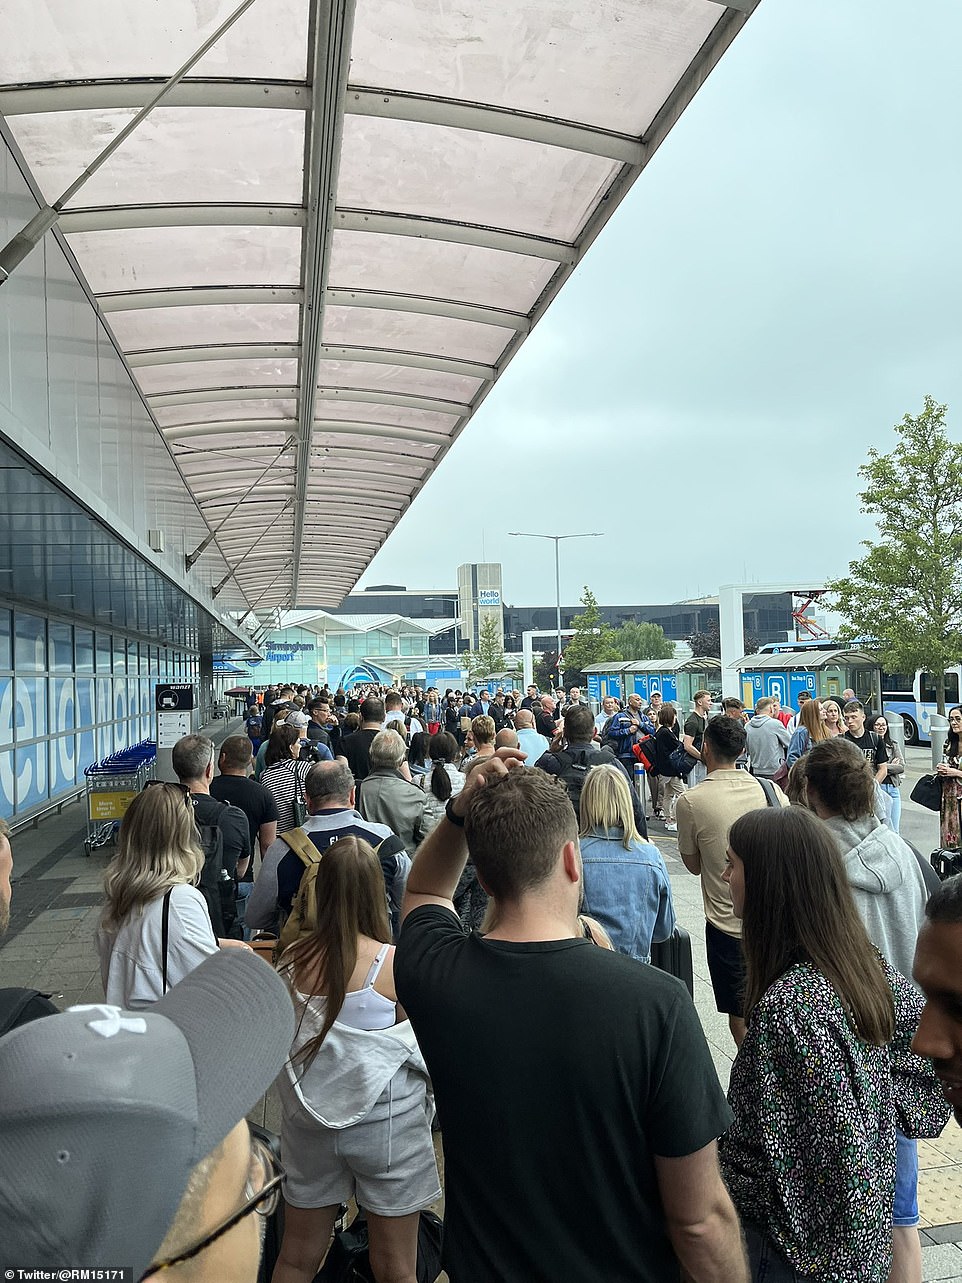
(31, 708)
(6, 630)
(31, 643)
(104, 652)
(7, 790)
(84, 643)
(6, 710)
(60, 639)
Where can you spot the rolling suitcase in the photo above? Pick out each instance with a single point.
(674, 956)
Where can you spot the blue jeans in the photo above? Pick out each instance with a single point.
(894, 794)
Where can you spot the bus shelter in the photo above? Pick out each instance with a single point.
(676, 679)
(823, 673)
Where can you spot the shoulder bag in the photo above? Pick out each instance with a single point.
(928, 792)
(682, 763)
(299, 802)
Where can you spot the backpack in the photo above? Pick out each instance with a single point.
(20, 1006)
(301, 920)
(644, 752)
(216, 885)
(575, 767)
(255, 727)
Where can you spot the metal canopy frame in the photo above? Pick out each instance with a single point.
(348, 324)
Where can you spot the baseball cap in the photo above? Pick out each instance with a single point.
(105, 1112)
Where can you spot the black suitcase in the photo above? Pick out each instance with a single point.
(274, 1230)
(674, 956)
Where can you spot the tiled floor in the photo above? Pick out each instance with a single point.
(56, 906)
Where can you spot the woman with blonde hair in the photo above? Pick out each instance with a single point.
(626, 883)
(356, 1116)
(155, 926)
(834, 724)
(810, 730)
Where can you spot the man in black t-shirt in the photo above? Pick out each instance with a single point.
(867, 742)
(234, 785)
(356, 748)
(570, 1081)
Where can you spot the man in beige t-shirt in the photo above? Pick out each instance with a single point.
(704, 815)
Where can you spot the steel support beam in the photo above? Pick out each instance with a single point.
(452, 113)
(198, 296)
(329, 63)
(429, 307)
(201, 396)
(343, 427)
(122, 95)
(403, 400)
(118, 218)
(329, 352)
(436, 229)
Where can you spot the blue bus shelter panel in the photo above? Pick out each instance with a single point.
(594, 686)
(752, 689)
(776, 686)
(611, 685)
(798, 682)
(640, 685)
(667, 683)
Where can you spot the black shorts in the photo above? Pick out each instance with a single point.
(726, 966)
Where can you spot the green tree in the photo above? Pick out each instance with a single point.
(489, 657)
(642, 641)
(906, 591)
(592, 643)
(546, 670)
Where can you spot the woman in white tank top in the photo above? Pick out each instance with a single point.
(355, 1094)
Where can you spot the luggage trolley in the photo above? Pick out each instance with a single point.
(111, 786)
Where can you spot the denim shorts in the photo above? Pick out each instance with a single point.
(906, 1210)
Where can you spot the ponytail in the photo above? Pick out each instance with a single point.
(440, 781)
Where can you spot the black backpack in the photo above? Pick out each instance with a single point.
(575, 767)
(20, 1006)
(216, 884)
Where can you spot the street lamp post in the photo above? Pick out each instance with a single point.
(524, 534)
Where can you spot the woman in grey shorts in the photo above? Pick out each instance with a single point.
(355, 1093)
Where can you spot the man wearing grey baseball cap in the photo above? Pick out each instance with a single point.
(122, 1134)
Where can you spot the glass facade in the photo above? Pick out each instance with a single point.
(68, 697)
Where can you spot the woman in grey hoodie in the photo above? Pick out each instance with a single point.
(890, 896)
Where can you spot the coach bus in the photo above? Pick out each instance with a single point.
(913, 699)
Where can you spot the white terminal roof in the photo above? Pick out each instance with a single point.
(323, 246)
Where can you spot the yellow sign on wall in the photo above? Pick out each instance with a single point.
(109, 806)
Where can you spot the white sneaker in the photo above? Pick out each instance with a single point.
(671, 827)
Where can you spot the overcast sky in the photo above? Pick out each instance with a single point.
(782, 284)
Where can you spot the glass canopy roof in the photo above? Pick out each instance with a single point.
(323, 245)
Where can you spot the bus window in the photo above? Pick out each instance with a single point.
(927, 693)
(897, 683)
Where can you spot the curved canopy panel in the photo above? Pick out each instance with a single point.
(322, 246)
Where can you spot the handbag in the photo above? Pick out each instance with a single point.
(348, 1260)
(928, 792)
(682, 763)
(299, 802)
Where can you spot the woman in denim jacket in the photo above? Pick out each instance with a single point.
(626, 884)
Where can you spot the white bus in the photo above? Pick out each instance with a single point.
(913, 699)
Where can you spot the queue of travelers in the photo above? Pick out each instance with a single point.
(413, 878)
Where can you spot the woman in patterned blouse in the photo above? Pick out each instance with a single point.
(810, 1158)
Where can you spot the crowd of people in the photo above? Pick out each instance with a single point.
(460, 901)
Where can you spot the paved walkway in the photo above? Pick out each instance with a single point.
(57, 898)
